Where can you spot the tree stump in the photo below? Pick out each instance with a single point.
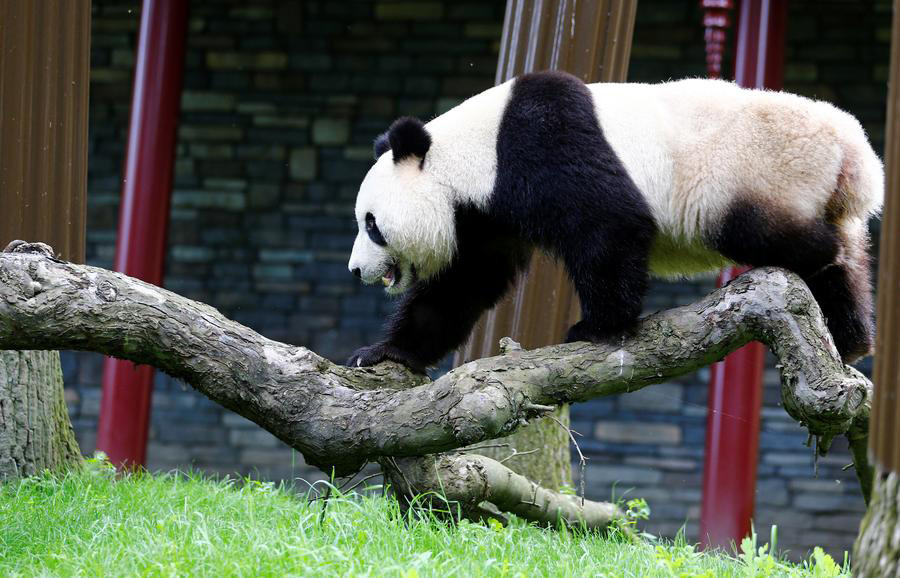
(35, 431)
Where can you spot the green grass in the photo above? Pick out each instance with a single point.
(89, 523)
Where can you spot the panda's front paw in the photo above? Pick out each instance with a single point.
(375, 354)
(369, 355)
(583, 331)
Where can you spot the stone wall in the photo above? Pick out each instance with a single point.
(280, 105)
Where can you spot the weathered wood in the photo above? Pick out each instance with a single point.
(44, 74)
(334, 417)
(877, 550)
(453, 479)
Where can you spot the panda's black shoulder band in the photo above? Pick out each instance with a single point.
(408, 137)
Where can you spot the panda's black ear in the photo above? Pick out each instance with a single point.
(382, 145)
(408, 137)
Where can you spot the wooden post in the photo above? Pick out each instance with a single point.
(876, 552)
(44, 71)
(591, 40)
(885, 427)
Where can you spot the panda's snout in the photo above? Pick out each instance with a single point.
(368, 261)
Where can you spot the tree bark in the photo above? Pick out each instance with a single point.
(35, 431)
(339, 418)
(539, 451)
(470, 480)
(877, 549)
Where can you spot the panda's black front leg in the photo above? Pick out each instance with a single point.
(436, 316)
(432, 318)
(611, 282)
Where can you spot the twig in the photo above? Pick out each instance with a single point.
(411, 489)
(538, 408)
(581, 459)
(516, 453)
(485, 447)
(350, 478)
(369, 477)
(816, 458)
(325, 504)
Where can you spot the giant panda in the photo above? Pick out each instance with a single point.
(618, 181)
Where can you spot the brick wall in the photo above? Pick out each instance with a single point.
(281, 102)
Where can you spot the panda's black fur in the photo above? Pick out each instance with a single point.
(560, 187)
(752, 236)
(436, 316)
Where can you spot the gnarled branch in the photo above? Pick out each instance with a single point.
(469, 480)
(339, 417)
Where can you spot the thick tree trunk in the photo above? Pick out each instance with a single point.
(877, 551)
(35, 431)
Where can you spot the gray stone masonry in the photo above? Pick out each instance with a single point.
(281, 102)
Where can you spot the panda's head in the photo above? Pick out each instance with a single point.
(404, 212)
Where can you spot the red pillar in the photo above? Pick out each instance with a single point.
(735, 386)
(144, 214)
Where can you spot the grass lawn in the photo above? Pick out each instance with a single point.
(90, 524)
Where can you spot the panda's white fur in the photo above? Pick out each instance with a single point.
(414, 208)
(691, 147)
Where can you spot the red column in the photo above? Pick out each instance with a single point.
(735, 385)
(144, 214)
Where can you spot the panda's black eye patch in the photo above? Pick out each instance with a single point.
(372, 230)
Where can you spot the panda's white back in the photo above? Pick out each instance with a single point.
(693, 146)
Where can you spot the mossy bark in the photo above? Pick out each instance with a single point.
(470, 481)
(35, 431)
(539, 451)
(877, 550)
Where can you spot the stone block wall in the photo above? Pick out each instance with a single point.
(281, 101)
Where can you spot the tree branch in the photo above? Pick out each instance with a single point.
(340, 418)
(469, 480)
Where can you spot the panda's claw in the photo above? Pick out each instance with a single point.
(367, 356)
(375, 354)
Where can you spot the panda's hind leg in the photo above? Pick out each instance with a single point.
(830, 257)
(844, 293)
